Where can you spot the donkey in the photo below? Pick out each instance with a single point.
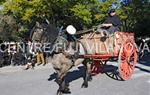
(63, 61)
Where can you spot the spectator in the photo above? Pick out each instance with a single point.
(40, 55)
(29, 55)
(12, 49)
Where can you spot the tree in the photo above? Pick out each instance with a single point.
(85, 11)
(8, 28)
(141, 12)
(57, 11)
(26, 10)
(1, 1)
(80, 13)
(26, 13)
(137, 18)
(103, 10)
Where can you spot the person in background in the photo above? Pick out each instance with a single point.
(29, 55)
(40, 56)
(12, 49)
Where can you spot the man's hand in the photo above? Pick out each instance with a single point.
(106, 25)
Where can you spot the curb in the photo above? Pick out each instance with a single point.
(12, 69)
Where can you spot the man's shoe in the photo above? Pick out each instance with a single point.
(38, 64)
(44, 64)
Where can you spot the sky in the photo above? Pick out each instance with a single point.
(1, 7)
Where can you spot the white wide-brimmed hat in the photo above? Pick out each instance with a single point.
(71, 29)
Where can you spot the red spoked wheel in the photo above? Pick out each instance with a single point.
(97, 67)
(127, 60)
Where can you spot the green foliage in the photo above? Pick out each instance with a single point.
(83, 13)
(26, 13)
(103, 10)
(1, 1)
(87, 13)
(85, 10)
(26, 10)
(8, 28)
(140, 15)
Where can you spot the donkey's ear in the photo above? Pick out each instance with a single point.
(37, 24)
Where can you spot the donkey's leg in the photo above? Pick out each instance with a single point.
(87, 76)
(63, 87)
(61, 84)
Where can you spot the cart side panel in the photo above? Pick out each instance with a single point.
(120, 38)
(98, 44)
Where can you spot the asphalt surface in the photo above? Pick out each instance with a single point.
(41, 81)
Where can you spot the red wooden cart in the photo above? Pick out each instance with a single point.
(122, 48)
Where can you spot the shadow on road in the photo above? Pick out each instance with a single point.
(76, 74)
(52, 76)
(145, 60)
(112, 72)
(71, 76)
(142, 69)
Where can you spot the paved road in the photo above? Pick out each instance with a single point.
(35, 82)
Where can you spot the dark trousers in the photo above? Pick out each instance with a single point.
(112, 29)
